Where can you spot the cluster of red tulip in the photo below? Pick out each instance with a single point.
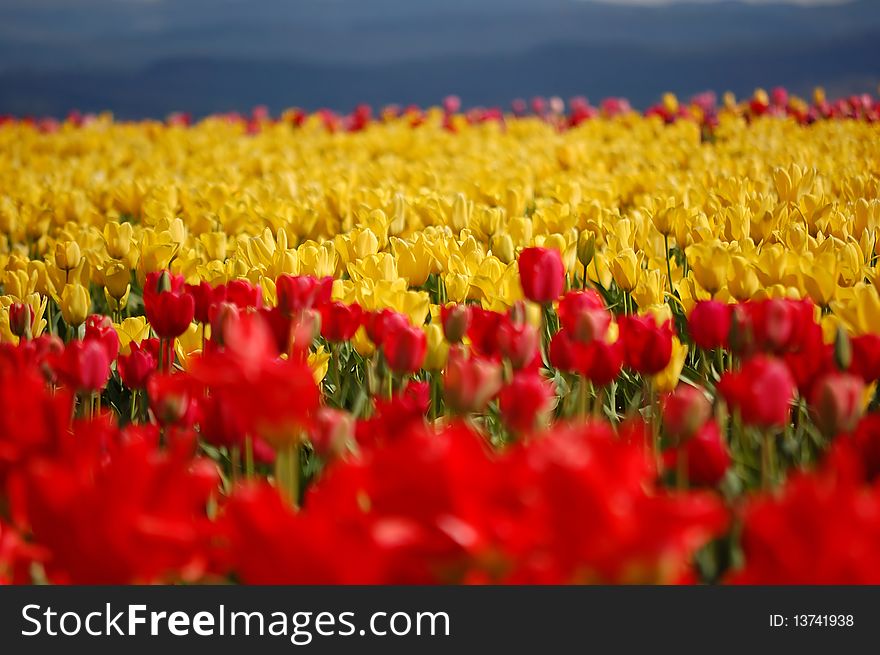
(539, 455)
(702, 107)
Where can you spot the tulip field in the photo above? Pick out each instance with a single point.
(562, 343)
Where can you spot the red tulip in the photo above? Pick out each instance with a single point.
(837, 402)
(774, 326)
(127, 514)
(542, 274)
(220, 423)
(685, 411)
(296, 293)
(583, 314)
(280, 325)
(600, 362)
(173, 399)
(21, 319)
(339, 321)
(136, 368)
(526, 402)
(518, 343)
(469, 383)
(483, 331)
(379, 322)
(456, 320)
(169, 310)
(222, 315)
(203, 297)
(40, 420)
(817, 512)
(564, 352)
(404, 347)
(647, 347)
(866, 356)
(83, 366)
(709, 324)
(762, 390)
(170, 314)
(241, 293)
(706, 456)
(100, 328)
(333, 432)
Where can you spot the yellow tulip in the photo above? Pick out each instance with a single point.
(819, 276)
(188, 344)
(625, 269)
(76, 304)
(117, 238)
(319, 363)
(858, 308)
(438, 348)
(133, 329)
(503, 248)
(743, 283)
(414, 260)
(710, 264)
(650, 289)
(667, 379)
(67, 255)
(115, 277)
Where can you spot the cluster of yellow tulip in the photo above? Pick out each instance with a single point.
(411, 217)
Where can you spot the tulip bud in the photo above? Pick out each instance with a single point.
(340, 321)
(169, 399)
(518, 313)
(221, 315)
(456, 320)
(75, 304)
(742, 332)
(333, 432)
(438, 348)
(470, 383)
(118, 238)
(583, 314)
(503, 248)
(586, 247)
(709, 324)
(136, 368)
(404, 348)
(842, 349)
(542, 274)
(837, 403)
(518, 343)
(526, 402)
(306, 327)
(706, 456)
(21, 318)
(67, 255)
(116, 277)
(685, 410)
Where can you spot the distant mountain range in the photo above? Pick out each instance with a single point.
(150, 58)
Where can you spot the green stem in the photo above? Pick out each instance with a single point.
(668, 266)
(599, 403)
(585, 395)
(287, 471)
(768, 461)
(248, 457)
(234, 464)
(681, 469)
